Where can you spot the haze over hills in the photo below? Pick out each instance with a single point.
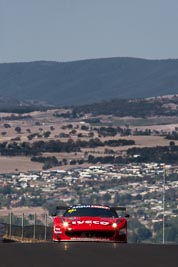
(88, 81)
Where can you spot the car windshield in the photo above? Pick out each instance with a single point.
(91, 212)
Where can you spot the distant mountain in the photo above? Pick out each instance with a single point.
(88, 81)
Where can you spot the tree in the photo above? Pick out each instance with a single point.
(64, 161)
(106, 197)
(6, 125)
(144, 233)
(172, 143)
(46, 134)
(52, 128)
(18, 129)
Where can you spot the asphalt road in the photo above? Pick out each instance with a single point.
(87, 254)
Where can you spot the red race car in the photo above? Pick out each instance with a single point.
(90, 223)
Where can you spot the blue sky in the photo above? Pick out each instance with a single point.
(67, 30)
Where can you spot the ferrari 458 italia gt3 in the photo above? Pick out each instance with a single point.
(90, 223)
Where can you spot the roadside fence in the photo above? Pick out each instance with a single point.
(32, 227)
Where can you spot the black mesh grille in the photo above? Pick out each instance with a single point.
(90, 234)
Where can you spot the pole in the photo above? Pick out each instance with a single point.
(34, 229)
(22, 234)
(10, 224)
(45, 237)
(164, 180)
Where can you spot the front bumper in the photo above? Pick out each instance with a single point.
(97, 236)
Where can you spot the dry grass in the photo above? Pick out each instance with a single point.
(43, 121)
(16, 164)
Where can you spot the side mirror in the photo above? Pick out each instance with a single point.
(127, 215)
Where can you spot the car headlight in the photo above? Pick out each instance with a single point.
(114, 225)
(65, 224)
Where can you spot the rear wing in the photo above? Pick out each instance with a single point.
(119, 208)
(62, 207)
(68, 207)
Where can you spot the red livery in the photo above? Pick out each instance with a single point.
(90, 223)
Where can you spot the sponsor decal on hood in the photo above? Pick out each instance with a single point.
(89, 222)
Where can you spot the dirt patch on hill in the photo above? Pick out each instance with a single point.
(16, 164)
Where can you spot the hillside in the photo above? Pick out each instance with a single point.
(88, 81)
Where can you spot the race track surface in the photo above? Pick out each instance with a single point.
(87, 254)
